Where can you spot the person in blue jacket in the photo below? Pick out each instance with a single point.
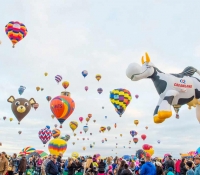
(148, 168)
(53, 167)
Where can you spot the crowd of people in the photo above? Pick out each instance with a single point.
(56, 165)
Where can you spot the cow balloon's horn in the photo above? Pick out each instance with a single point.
(147, 57)
(142, 60)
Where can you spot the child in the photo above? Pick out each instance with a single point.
(109, 169)
(190, 170)
(170, 171)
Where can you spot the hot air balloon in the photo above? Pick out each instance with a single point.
(55, 125)
(57, 146)
(90, 115)
(120, 98)
(115, 125)
(140, 154)
(52, 116)
(99, 90)
(91, 146)
(121, 135)
(67, 137)
(0, 144)
(21, 90)
(102, 107)
(106, 139)
(65, 84)
(42, 89)
(11, 119)
(19, 132)
(143, 136)
(136, 96)
(45, 134)
(146, 127)
(136, 122)
(4, 118)
(102, 129)
(176, 109)
(55, 133)
(86, 88)
(15, 31)
(62, 107)
(48, 98)
(58, 78)
(37, 88)
(90, 133)
(102, 141)
(146, 147)
(158, 141)
(85, 128)
(81, 119)
(20, 106)
(45, 74)
(73, 143)
(35, 106)
(135, 140)
(94, 121)
(84, 73)
(75, 155)
(108, 128)
(87, 119)
(73, 125)
(98, 77)
(83, 139)
(74, 134)
(105, 116)
(80, 132)
(133, 133)
(84, 148)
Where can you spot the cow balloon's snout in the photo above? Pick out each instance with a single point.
(133, 69)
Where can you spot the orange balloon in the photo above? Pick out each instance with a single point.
(89, 115)
(65, 84)
(62, 107)
(136, 122)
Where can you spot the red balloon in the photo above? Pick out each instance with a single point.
(143, 136)
(146, 147)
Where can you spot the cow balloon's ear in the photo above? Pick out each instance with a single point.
(32, 101)
(142, 60)
(11, 99)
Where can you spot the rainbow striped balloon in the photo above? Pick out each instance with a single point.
(15, 31)
(57, 146)
(27, 151)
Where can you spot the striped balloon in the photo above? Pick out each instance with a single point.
(57, 146)
(58, 78)
(27, 151)
(99, 90)
(45, 135)
(15, 31)
(73, 125)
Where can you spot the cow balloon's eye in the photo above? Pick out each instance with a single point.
(17, 103)
(26, 104)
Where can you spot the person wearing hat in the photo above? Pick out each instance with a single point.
(168, 163)
(197, 163)
(148, 168)
(159, 169)
(170, 171)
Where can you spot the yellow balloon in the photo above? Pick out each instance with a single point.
(75, 155)
(150, 151)
(73, 125)
(98, 77)
(84, 148)
(87, 119)
(57, 146)
(121, 135)
(45, 74)
(11, 119)
(136, 122)
(52, 116)
(37, 88)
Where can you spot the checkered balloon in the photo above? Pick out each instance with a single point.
(120, 98)
(45, 135)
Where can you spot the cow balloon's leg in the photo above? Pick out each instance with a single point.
(198, 112)
(164, 110)
(156, 118)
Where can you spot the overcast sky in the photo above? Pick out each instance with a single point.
(103, 37)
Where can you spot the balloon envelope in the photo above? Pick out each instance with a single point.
(58, 78)
(85, 128)
(143, 136)
(55, 133)
(65, 84)
(81, 119)
(73, 125)
(84, 73)
(45, 135)
(21, 90)
(120, 98)
(15, 31)
(62, 107)
(57, 146)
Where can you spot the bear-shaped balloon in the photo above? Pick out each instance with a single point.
(20, 106)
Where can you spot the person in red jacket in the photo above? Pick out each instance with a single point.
(177, 167)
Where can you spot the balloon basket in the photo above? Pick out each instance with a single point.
(60, 126)
(13, 46)
(18, 123)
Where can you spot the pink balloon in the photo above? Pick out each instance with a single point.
(81, 119)
(86, 88)
(136, 96)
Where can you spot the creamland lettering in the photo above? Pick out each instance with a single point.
(183, 85)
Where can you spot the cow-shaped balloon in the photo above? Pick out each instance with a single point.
(174, 89)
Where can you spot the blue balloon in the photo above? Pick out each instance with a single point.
(198, 151)
(126, 157)
(105, 116)
(48, 127)
(133, 133)
(84, 73)
(21, 90)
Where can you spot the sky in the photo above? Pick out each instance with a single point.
(66, 37)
